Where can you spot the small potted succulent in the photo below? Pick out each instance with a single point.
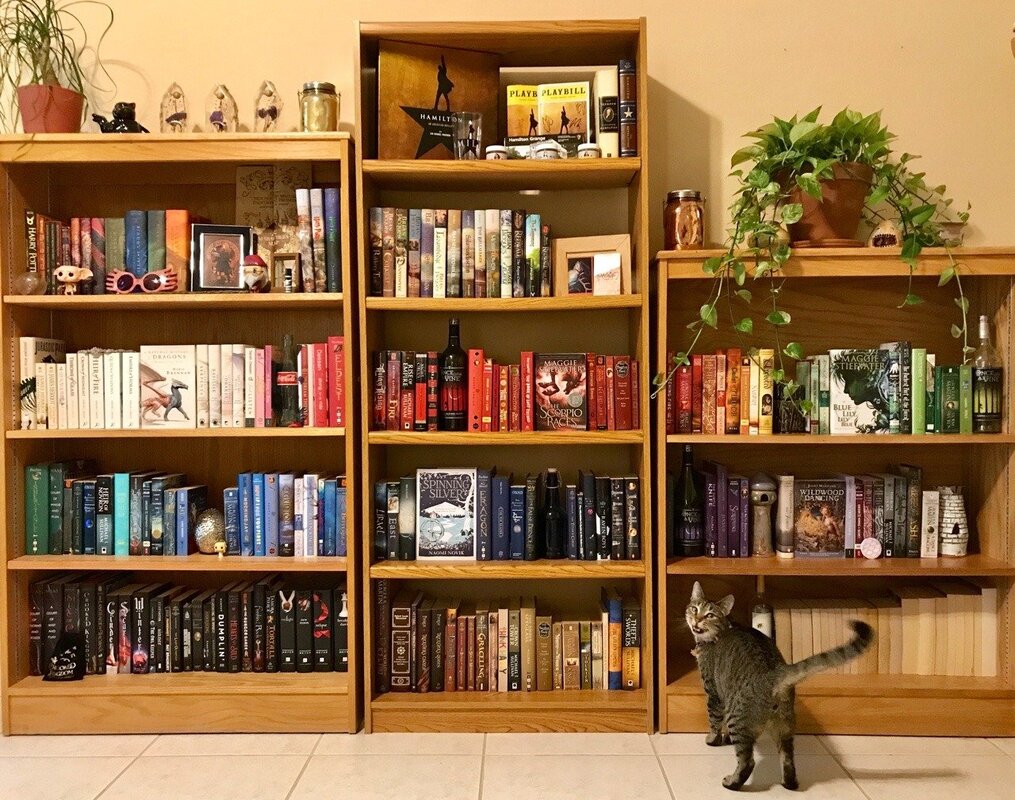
(41, 42)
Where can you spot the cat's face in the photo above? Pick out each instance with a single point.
(707, 620)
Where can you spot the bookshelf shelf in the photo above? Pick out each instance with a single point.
(971, 565)
(901, 440)
(196, 562)
(504, 327)
(68, 175)
(521, 570)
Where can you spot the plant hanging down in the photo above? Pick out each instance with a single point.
(798, 174)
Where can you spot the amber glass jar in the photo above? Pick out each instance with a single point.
(684, 220)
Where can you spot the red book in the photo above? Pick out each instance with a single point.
(75, 241)
(696, 394)
(474, 420)
(592, 418)
(685, 406)
(622, 393)
(431, 390)
(321, 391)
(611, 393)
(393, 390)
(380, 390)
(503, 403)
(336, 375)
(489, 403)
(515, 399)
(528, 378)
(407, 393)
(419, 402)
(602, 394)
(269, 375)
(720, 392)
(636, 397)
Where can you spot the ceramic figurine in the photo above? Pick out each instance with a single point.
(267, 108)
(123, 120)
(174, 110)
(68, 277)
(222, 110)
(256, 276)
(886, 234)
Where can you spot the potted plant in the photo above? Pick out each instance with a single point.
(39, 58)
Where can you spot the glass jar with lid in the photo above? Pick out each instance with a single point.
(684, 220)
(319, 104)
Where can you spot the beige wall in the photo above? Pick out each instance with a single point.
(942, 72)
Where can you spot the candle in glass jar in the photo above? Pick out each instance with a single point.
(319, 107)
(684, 220)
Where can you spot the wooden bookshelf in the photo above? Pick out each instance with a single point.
(504, 327)
(849, 298)
(79, 174)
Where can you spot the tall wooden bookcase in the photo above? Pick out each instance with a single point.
(614, 199)
(77, 175)
(849, 298)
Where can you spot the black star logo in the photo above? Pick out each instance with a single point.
(438, 129)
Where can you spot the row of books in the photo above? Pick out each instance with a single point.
(448, 645)
(894, 388)
(179, 386)
(948, 627)
(544, 392)
(459, 253)
(476, 514)
(113, 624)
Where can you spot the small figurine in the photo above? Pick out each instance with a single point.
(267, 108)
(220, 548)
(123, 120)
(886, 234)
(222, 110)
(256, 275)
(174, 110)
(68, 277)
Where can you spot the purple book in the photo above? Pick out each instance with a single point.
(745, 510)
(711, 513)
(733, 516)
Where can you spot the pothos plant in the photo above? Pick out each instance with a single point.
(800, 153)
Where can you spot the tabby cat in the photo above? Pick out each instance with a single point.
(748, 684)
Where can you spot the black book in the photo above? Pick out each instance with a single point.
(407, 519)
(161, 642)
(382, 641)
(36, 605)
(222, 630)
(287, 630)
(391, 504)
(247, 629)
(604, 517)
(380, 521)
(323, 630)
(632, 517)
(589, 534)
(437, 613)
(90, 625)
(257, 629)
(157, 533)
(304, 631)
(532, 527)
(77, 542)
(234, 628)
(271, 627)
(52, 618)
(200, 641)
(104, 515)
(617, 512)
(88, 516)
(72, 606)
(341, 598)
(125, 628)
(140, 627)
(208, 611)
(181, 640)
(514, 648)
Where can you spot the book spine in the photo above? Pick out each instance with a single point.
(517, 512)
(431, 390)
(37, 509)
(454, 253)
(98, 253)
(766, 391)
(401, 252)
(479, 239)
(286, 515)
(519, 263)
(930, 512)
(104, 515)
(824, 395)
(484, 542)
(426, 252)
(918, 391)
(305, 237)
(332, 243)
(135, 242)
(476, 394)
(527, 381)
(532, 274)
(239, 385)
(492, 226)
(468, 253)
(177, 246)
(376, 227)
(632, 517)
(320, 411)
(531, 546)
(628, 103)
(414, 232)
(257, 511)
(440, 255)
(419, 393)
(965, 398)
(506, 258)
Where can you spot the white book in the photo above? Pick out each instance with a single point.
(506, 259)
(605, 90)
(52, 396)
(214, 386)
(850, 542)
(237, 405)
(84, 401)
(317, 238)
(480, 246)
(226, 400)
(299, 508)
(72, 393)
(440, 260)
(929, 523)
(111, 380)
(985, 634)
(203, 411)
(168, 398)
(62, 420)
(249, 385)
(34, 350)
(96, 390)
(41, 404)
(130, 389)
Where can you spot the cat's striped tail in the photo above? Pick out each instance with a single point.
(792, 674)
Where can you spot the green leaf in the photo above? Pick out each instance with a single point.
(745, 295)
(792, 212)
(745, 154)
(778, 375)
(911, 248)
(758, 178)
(794, 350)
(810, 184)
(778, 317)
(711, 265)
(781, 254)
(912, 300)
(963, 303)
(946, 275)
(802, 130)
(956, 332)
(708, 314)
(806, 405)
(739, 272)
(746, 325)
(921, 214)
(877, 196)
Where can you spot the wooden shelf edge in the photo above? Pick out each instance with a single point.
(916, 686)
(178, 433)
(196, 562)
(542, 570)
(445, 438)
(929, 439)
(188, 683)
(972, 565)
(506, 304)
(401, 174)
(574, 699)
(170, 302)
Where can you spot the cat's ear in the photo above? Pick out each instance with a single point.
(697, 593)
(726, 604)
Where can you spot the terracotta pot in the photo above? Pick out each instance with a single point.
(834, 220)
(50, 109)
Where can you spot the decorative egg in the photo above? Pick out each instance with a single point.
(209, 530)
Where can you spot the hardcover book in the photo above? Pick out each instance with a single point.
(859, 391)
(819, 517)
(168, 396)
(561, 391)
(446, 513)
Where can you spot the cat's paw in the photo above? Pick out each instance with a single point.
(791, 784)
(732, 782)
(715, 740)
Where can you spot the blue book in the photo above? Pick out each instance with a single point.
(340, 532)
(320, 517)
(571, 509)
(190, 501)
(517, 548)
(330, 517)
(121, 513)
(181, 531)
(135, 244)
(484, 540)
(332, 244)
(146, 516)
(245, 484)
(103, 515)
(169, 521)
(88, 516)
(613, 605)
(500, 502)
(286, 509)
(163, 542)
(231, 512)
(271, 514)
(257, 514)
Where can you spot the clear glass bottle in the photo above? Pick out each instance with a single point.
(761, 612)
(690, 508)
(553, 517)
(451, 369)
(988, 384)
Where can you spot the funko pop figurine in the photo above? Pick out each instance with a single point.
(68, 277)
(256, 276)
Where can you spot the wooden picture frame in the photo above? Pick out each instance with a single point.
(565, 251)
(216, 257)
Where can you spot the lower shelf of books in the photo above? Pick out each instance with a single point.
(195, 562)
(974, 564)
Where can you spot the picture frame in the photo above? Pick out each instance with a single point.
(577, 259)
(285, 271)
(216, 257)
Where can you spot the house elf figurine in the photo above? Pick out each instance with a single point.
(68, 277)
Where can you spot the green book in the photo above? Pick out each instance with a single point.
(824, 395)
(37, 509)
(946, 398)
(114, 243)
(156, 240)
(931, 411)
(966, 399)
(918, 402)
(57, 472)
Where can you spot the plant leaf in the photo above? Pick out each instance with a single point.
(708, 314)
(963, 303)
(739, 272)
(921, 214)
(744, 154)
(946, 275)
(792, 212)
(802, 130)
(794, 350)
(956, 332)
(912, 300)
(810, 184)
(711, 265)
(778, 317)
(746, 325)
(745, 295)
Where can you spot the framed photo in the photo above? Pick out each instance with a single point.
(285, 270)
(598, 265)
(216, 258)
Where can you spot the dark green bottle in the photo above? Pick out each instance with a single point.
(690, 508)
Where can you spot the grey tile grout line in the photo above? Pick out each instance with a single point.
(130, 764)
(303, 769)
(844, 768)
(997, 747)
(482, 767)
(662, 769)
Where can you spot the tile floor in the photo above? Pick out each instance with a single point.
(471, 766)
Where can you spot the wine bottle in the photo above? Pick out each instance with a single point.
(553, 517)
(988, 383)
(690, 508)
(287, 383)
(761, 612)
(451, 375)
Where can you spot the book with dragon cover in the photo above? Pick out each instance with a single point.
(819, 517)
(859, 392)
(561, 391)
(168, 391)
(446, 513)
